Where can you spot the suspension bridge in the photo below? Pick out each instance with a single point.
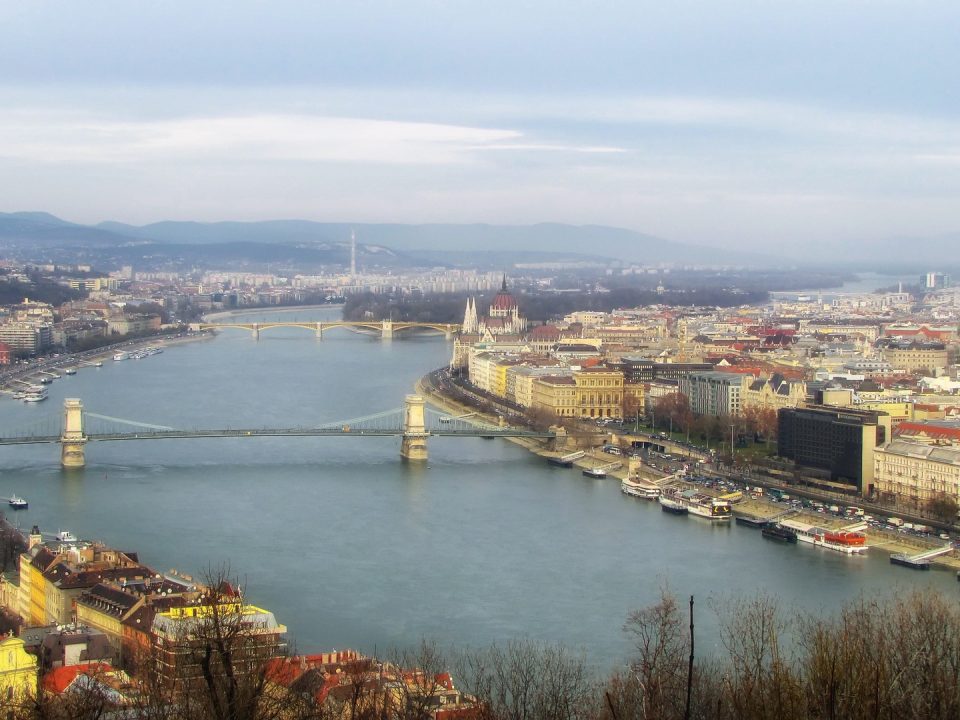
(76, 426)
(386, 328)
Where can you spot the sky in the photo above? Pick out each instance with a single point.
(748, 124)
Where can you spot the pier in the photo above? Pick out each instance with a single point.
(921, 560)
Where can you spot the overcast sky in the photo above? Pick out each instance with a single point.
(748, 123)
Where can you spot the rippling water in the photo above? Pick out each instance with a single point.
(351, 547)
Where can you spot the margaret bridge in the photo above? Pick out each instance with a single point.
(76, 426)
(386, 328)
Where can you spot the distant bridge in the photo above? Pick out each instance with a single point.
(386, 328)
(414, 423)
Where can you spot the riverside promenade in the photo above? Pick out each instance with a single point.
(758, 508)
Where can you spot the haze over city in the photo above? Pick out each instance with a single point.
(746, 125)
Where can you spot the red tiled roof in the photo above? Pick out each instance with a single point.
(545, 332)
(59, 679)
(930, 430)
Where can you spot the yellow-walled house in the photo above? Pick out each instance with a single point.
(18, 672)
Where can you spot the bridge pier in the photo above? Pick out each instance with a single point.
(448, 333)
(255, 331)
(319, 331)
(72, 440)
(386, 330)
(414, 444)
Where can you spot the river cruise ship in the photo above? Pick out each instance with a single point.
(845, 541)
(696, 503)
(640, 489)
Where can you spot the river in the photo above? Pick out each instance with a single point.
(349, 546)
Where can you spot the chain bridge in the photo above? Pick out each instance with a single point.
(76, 426)
(386, 328)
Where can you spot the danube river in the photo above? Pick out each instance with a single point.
(349, 546)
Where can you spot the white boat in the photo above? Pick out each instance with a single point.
(635, 488)
(700, 505)
(65, 536)
(98, 363)
(849, 543)
(18, 503)
(121, 356)
(35, 396)
(70, 371)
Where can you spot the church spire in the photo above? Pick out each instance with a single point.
(503, 285)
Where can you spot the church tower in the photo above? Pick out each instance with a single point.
(470, 324)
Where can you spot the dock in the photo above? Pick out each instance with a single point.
(919, 561)
(600, 471)
(566, 460)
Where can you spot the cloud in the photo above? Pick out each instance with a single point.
(70, 138)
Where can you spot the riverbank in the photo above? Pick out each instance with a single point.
(17, 373)
(760, 509)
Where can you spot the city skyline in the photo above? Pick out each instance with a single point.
(739, 124)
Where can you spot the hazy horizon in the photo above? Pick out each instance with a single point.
(748, 125)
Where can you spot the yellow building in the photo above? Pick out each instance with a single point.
(898, 411)
(18, 672)
(557, 395)
(634, 397)
(599, 393)
(498, 375)
(33, 596)
(917, 472)
(916, 357)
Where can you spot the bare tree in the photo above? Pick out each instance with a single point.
(525, 680)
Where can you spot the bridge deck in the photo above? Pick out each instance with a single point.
(274, 432)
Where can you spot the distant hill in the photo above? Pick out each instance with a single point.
(42, 229)
(596, 241)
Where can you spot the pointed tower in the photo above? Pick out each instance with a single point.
(469, 326)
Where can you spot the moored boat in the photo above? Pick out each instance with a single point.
(910, 562)
(776, 531)
(69, 371)
(121, 356)
(845, 537)
(637, 488)
(595, 472)
(670, 503)
(850, 543)
(35, 395)
(696, 503)
(750, 521)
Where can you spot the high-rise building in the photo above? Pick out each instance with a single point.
(839, 441)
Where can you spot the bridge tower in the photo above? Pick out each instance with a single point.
(319, 331)
(72, 440)
(414, 444)
(255, 331)
(386, 329)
